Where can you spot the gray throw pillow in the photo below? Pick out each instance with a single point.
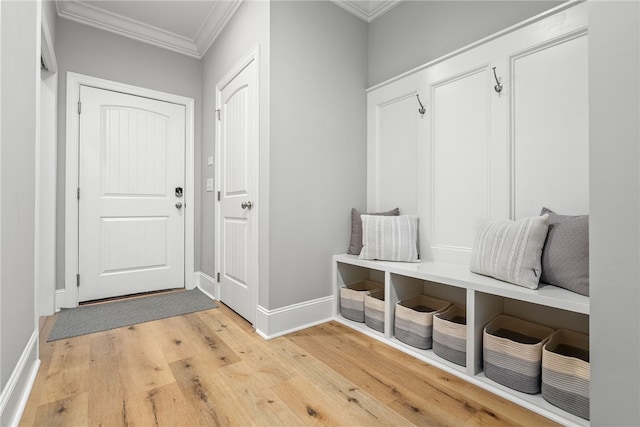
(511, 250)
(565, 257)
(355, 246)
(390, 238)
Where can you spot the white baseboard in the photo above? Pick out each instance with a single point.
(59, 299)
(14, 396)
(207, 285)
(281, 321)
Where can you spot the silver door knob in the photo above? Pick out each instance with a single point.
(179, 205)
(246, 205)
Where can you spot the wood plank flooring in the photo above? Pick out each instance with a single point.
(211, 369)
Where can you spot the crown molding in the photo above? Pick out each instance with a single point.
(87, 14)
(218, 18)
(362, 9)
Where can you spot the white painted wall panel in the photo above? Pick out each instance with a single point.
(480, 153)
(460, 141)
(550, 139)
(396, 142)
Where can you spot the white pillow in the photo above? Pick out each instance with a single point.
(390, 238)
(511, 250)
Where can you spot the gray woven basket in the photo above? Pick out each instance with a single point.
(566, 372)
(414, 320)
(374, 310)
(513, 352)
(449, 336)
(352, 298)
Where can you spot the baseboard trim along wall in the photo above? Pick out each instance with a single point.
(208, 285)
(58, 299)
(269, 323)
(16, 393)
(281, 321)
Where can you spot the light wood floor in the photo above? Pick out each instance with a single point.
(210, 368)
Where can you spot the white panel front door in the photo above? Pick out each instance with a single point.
(237, 177)
(131, 222)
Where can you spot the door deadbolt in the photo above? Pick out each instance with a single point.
(178, 191)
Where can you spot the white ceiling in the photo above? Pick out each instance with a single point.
(186, 26)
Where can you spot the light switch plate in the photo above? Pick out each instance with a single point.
(210, 160)
(209, 184)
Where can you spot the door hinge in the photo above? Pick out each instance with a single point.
(78, 193)
(218, 196)
(218, 277)
(79, 107)
(78, 280)
(218, 113)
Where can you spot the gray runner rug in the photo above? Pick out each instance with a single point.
(73, 322)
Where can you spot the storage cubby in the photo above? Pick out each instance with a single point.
(402, 287)
(347, 274)
(483, 298)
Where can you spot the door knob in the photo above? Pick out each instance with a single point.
(179, 205)
(246, 205)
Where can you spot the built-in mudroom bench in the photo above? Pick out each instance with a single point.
(483, 297)
(495, 131)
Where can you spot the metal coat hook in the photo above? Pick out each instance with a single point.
(421, 110)
(498, 86)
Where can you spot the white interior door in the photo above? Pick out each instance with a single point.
(131, 222)
(237, 178)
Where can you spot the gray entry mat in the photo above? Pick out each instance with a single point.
(73, 322)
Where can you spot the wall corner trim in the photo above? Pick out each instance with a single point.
(281, 321)
(14, 396)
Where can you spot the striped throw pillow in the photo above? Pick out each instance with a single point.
(390, 238)
(511, 250)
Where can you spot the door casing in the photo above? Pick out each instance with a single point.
(74, 81)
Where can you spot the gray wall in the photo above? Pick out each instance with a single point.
(318, 144)
(19, 74)
(86, 50)
(416, 32)
(50, 14)
(614, 46)
(248, 26)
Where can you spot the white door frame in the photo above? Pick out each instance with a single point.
(74, 81)
(253, 55)
(46, 170)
